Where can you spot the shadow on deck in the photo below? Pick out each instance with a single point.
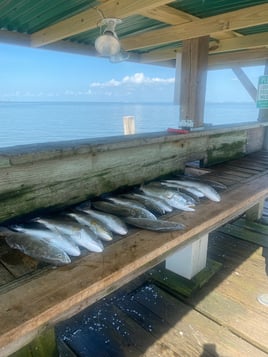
(223, 318)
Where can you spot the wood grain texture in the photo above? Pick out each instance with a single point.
(233, 302)
(191, 333)
(193, 80)
(243, 18)
(87, 19)
(64, 291)
(52, 177)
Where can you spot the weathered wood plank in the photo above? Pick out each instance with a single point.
(105, 330)
(86, 20)
(257, 162)
(42, 346)
(234, 20)
(41, 177)
(226, 176)
(245, 81)
(193, 80)
(252, 226)
(236, 173)
(250, 57)
(190, 332)
(248, 170)
(249, 164)
(67, 290)
(242, 233)
(233, 301)
(178, 285)
(223, 180)
(255, 212)
(167, 338)
(230, 251)
(17, 263)
(233, 142)
(5, 275)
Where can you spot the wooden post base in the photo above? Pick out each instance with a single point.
(255, 212)
(180, 286)
(190, 259)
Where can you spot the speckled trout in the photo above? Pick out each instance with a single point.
(96, 226)
(158, 225)
(207, 190)
(37, 248)
(61, 241)
(112, 222)
(81, 235)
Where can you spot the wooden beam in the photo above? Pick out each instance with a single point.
(88, 19)
(160, 55)
(234, 44)
(246, 82)
(242, 43)
(241, 58)
(173, 16)
(251, 16)
(193, 80)
(168, 15)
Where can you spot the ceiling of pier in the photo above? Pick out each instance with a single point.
(152, 31)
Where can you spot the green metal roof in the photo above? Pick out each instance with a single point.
(29, 16)
(206, 8)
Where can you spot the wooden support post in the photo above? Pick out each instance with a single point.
(263, 114)
(265, 139)
(246, 82)
(129, 125)
(193, 80)
(177, 87)
(255, 212)
(189, 260)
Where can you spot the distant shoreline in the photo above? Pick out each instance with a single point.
(100, 102)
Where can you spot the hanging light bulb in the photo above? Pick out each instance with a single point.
(108, 44)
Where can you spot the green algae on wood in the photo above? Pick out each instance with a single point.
(226, 146)
(43, 345)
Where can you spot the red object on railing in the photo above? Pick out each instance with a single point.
(177, 131)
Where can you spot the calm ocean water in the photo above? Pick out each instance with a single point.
(28, 123)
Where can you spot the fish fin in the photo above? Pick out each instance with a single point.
(84, 205)
(16, 227)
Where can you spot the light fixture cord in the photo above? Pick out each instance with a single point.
(100, 12)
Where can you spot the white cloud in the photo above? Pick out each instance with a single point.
(78, 93)
(136, 79)
(111, 83)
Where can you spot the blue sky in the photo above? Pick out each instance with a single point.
(42, 75)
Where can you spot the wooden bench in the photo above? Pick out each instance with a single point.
(55, 294)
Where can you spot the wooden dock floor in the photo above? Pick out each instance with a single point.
(223, 318)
